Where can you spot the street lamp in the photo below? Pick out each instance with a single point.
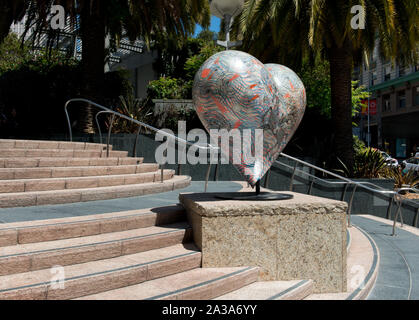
(227, 10)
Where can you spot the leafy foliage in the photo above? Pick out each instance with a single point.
(358, 94)
(290, 32)
(33, 93)
(316, 79)
(369, 163)
(359, 145)
(400, 178)
(12, 53)
(179, 66)
(172, 56)
(165, 88)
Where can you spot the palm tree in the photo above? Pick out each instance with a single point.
(10, 11)
(288, 31)
(99, 19)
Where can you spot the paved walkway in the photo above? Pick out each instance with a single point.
(113, 205)
(398, 274)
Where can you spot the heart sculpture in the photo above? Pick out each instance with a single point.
(234, 90)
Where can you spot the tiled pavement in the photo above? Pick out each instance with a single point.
(398, 275)
(105, 206)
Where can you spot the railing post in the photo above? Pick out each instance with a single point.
(310, 188)
(134, 151)
(68, 120)
(109, 135)
(179, 169)
(98, 126)
(292, 176)
(396, 216)
(217, 167)
(350, 205)
(266, 183)
(207, 177)
(162, 173)
(344, 192)
(415, 219)
(390, 204)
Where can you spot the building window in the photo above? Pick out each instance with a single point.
(402, 71)
(373, 78)
(387, 73)
(416, 98)
(386, 106)
(401, 99)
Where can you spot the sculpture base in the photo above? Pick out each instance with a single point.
(252, 196)
(303, 237)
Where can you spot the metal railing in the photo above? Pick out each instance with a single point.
(393, 196)
(140, 125)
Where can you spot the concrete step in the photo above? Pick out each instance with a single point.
(12, 234)
(363, 261)
(59, 153)
(45, 184)
(83, 171)
(49, 144)
(272, 290)
(196, 284)
(41, 162)
(41, 255)
(35, 198)
(98, 276)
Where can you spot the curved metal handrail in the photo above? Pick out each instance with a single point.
(145, 125)
(393, 195)
(140, 124)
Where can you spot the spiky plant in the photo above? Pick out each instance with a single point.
(369, 163)
(410, 178)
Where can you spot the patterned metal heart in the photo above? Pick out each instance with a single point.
(234, 90)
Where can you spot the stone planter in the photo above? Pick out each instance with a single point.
(299, 238)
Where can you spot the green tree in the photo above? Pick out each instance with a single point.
(207, 35)
(10, 11)
(97, 19)
(12, 53)
(316, 80)
(288, 31)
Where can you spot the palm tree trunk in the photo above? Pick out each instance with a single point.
(6, 18)
(93, 61)
(340, 83)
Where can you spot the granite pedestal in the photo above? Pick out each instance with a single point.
(299, 238)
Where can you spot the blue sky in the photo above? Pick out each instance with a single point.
(215, 26)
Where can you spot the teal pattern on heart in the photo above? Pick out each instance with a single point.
(234, 90)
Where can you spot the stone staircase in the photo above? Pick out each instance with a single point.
(127, 255)
(52, 172)
(137, 254)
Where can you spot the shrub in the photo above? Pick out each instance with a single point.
(410, 178)
(133, 108)
(34, 91)
(165, 88)
(369, 163)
